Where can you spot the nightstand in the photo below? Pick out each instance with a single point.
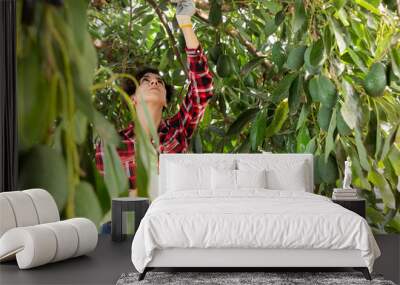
(123, 211)
(355, 205)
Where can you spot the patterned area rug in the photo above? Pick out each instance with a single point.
(242, 278)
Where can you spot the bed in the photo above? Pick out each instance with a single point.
(246, 211)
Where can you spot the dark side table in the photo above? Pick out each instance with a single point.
(122, 211)
(355, 205)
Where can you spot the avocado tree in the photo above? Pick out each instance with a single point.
(299, 76)
(317, 77)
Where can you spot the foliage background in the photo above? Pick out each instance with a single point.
(289, 77)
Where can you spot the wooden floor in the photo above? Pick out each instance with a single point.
(110, 259)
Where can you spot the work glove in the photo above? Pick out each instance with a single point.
(184, 11)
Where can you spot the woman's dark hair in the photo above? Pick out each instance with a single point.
(129, 86)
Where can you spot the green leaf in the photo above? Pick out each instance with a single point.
(241, 121)
(33, 102)
(80, 127)
(164, 60)
(375, 216)
(43, 167)
(280, 116)
(142, 170)
(296, 58)
(307, 62)
(146, 20)
(359, 180)
(395, 223)
(341, 125)
(317, 53)
(146, 160)
(351, 110)
(114, 175)
(253, 137)
(105, 129)
(244, 147)
(86, 203)
(77, 19)
(341, 13)
(362, 152)
(327, 169)
(281, 90)
(213, 52)
(224, 66)
(339, 35)
(323, 90)
(99, 185)
(302, 140)
(279, 17)
(368, 6)
(278, 55)
(305, 110)
(383, 44)
(86, 63)
(395, 59)
(255, 28)
(215, 16)
(357, 60)
(327, 91)
(198, 146)
(375, 123)
(324, 117)
(378, 143)
(394, 158)
(272, 6)
(313, 88)
(295, 92)
(328, 41)
(310, 148)
(252, 64)
(388, 142)
(270, 27)
(299, 16)
(317, 178)
(329, 141)
(249, 81)
(339, 4)
(257, 131)
(386, 192)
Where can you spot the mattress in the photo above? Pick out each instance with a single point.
(250, 219)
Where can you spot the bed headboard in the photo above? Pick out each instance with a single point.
(273, 160)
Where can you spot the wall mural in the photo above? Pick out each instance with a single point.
(289, 76)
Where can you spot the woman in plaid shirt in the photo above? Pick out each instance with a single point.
(175, 132)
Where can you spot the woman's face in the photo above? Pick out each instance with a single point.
(152, 90)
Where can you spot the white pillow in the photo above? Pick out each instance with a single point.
(227, 179)
(183, 177)
(281, 174)
(292, 179)
(223, 179)
(251, 178)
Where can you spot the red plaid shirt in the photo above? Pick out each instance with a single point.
(174, 132)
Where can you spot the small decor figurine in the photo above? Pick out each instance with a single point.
(347, 174)
(346, 192)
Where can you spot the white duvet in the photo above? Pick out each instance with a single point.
(254, 218)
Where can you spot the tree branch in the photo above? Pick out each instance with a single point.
(234, 33)
(398, 7)
(171, 37)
